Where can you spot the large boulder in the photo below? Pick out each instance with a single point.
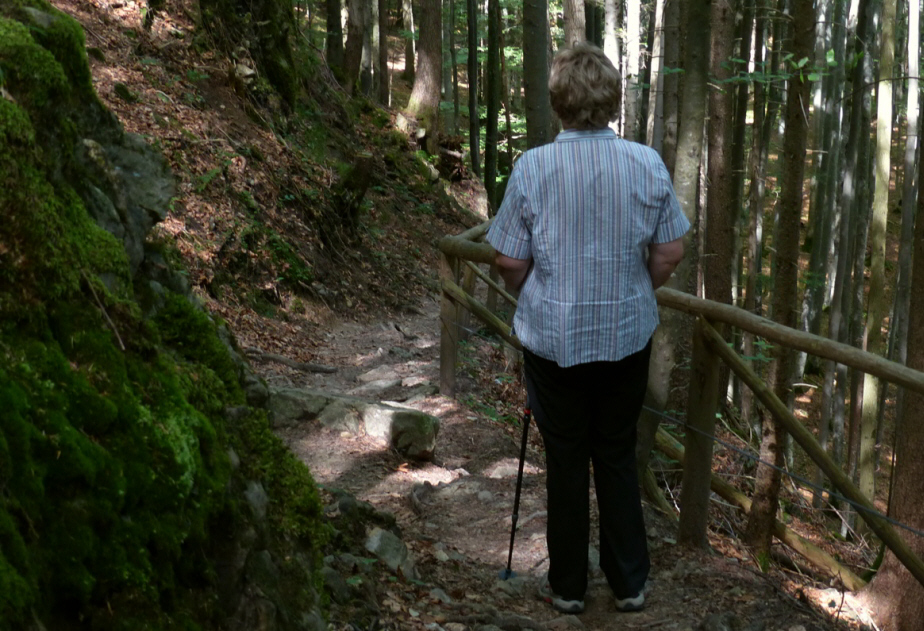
(410, 432)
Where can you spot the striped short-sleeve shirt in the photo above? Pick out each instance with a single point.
(585, 208)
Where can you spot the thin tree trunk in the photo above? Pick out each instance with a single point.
(674, 327)
(860, 234)
(896, 597)
(877, 307)
(382, 73)
(575, 22)
(631, 96)
(410, 44)
(334, 41)
(424, 101)
(492, 97)
(759, 531)
(473, 123)
(654, 134)
(718, 247)
(831, 165)
(353, 53)
(671, 82)
(738, 167)
(909, 201)
(370, 52)
(536, 72)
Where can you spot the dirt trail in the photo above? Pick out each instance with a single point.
(454, 513)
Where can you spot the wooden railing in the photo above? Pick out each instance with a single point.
(461, 256)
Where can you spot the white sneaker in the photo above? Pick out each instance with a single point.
(558, 603)
(634, 603)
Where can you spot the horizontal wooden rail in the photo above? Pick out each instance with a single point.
(806, 440)
(490, 283)
(466, 249)
(815, 555)
(492, 321)
(799, 340)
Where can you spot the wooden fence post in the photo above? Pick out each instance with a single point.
(449, 331)
(697, 471)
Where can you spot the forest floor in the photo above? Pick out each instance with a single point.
(375, 307)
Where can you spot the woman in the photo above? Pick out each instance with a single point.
(588, 229)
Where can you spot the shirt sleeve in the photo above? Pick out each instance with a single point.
(672, 223)
(509, 233)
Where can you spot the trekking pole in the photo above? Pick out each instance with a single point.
(509, 573)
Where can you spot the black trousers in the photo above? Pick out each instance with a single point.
(588, 413)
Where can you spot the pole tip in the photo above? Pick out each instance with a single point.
(506, 574)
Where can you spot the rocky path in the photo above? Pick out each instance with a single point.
(428, 538)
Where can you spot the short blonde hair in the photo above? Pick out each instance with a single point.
(585, 87)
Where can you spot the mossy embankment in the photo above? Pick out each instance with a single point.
(128, 445)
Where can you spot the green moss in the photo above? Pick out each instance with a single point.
(192, 334)
(113, 441)
(296, 509)
(30, 69)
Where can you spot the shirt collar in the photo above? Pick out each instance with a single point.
(581, 134)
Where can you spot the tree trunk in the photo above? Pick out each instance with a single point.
(630, 99)
(859, 234)
(898, 599)
(383, 83)
(574, 21)
(756, 164)
(670, 82)
(654, 133)
(334, 41)
(536, 72)
(611, 48)
(831, 166)
(738, 166)
(353, 53)
(370, 52)
(674, 327)
(766, 495)
(473, 126)
(267, 27)
(424, 101)
(410, 44)
(899, 330)
(492, 96)
(719, 223)
(877, 306)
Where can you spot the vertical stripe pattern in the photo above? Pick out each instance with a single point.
(585, 208)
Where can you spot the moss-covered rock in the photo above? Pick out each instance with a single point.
(118, 490)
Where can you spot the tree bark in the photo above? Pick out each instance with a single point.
(877, 306)
(630, 99)
(473, 122)
(831, 165)
(492, 96)
(575, 22)
(410, 44)
(424, 101)
(383, 83)
(670, 82)
(654, 134)
(334, 41)
(899, 329)
(767, 486)
(673, 328)
(536, 72)
(897, 597)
